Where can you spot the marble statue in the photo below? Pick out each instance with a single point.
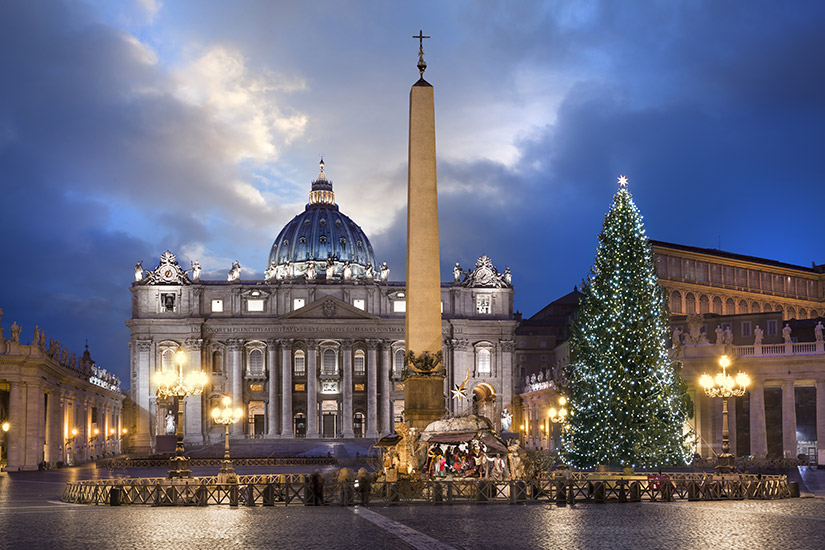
(36, 339)
(310, 272)
(234, 272)
(457, 272)
(73, 361)
(347, 271)
(818, 331)
(139, 271)
(42, 338)
(196, 270)
(786, 333)
(758, 334)
(720, 335)
(677, 337)
(369, 272)
(385, 272)
(170, 423)
(15, 332)
(506, 420)
(508, 276)
(269, 274)
(728, 341)
(330, 269)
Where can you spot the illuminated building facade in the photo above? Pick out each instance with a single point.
(55, 408)
(762, 313)
(316, 349)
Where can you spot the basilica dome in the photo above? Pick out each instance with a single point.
(321, 236)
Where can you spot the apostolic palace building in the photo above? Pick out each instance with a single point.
(765, 315)
(315, 349)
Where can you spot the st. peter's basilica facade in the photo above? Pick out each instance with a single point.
(316, 349)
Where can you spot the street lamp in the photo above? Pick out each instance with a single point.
(724, 385)
(558, 416)
(172, 384)
(226, 416)
(5, 427)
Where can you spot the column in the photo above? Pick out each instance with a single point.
(346, 348)
(16, 436)
(273, 389)
(286, 388)
(506, 376)
(312, 389)
(732, 425)
(234, 364)
(193, 405)
(372, 390)
(759, 435)
(141, 432)
(463, 363)
(386, 412)
(820, 421)
(789, 420)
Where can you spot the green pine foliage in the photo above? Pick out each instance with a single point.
(628, 403)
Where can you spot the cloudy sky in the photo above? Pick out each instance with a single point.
(129, 128)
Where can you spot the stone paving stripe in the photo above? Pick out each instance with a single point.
(416, 539)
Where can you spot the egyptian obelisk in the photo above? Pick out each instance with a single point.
(424, 380)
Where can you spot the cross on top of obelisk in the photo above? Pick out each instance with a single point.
(422, 65)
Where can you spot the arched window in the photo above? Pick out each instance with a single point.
(399, 362)
(803, 313)
(704, 304)
(299, 365)
(300, 425)
(329, 366)
(690, 303)
(483, 362)
(766, 308)
(790, 313)
(730, 307)
(217, 362)
(256, 362)
(743, 306)
(676, 302)
(358, 364)
(814, 314)
(717, 305)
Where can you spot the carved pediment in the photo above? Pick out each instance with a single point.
(168, 272)
(329, 307)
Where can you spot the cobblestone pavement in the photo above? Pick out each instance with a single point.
(32, 517)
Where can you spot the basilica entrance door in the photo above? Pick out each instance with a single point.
(329, 425)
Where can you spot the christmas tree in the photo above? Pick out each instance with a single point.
(628, 403)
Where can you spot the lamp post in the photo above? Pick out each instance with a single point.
(226, 415)
(5, 427)
(558, 416)
(724, 385)
(176, 385)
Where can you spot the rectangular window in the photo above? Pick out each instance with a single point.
(741, 277)
(358, 366)
(359, 303)
(167, 303)
(702, 272)
(300, 366)
(746, 328)
(298, 303)
(716, 273)
(483, 302)
(217, 306)
(766, 281)
(728, 273)
(300, 387)
(771, 328)
(690, 270)
(753, 280)
(399, 306)
(359, 387)
(254, 305)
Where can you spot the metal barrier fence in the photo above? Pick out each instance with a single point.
(125, 463)
(296, 489)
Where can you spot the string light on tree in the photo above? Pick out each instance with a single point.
(627, 402)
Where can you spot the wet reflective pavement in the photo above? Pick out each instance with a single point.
(31, 516)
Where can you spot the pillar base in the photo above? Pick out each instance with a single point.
(423, 401)
(179, 467)
(725, 463)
